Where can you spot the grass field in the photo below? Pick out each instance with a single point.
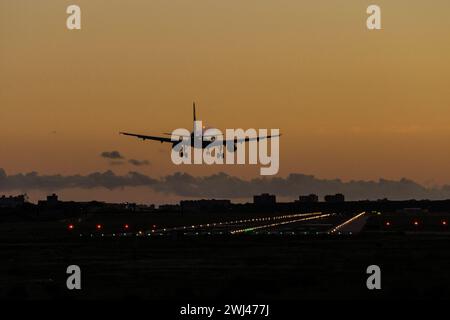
(246, 267)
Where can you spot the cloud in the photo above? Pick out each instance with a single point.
(117, 158)
(107, 179)
(138, 163)
(111, 155)
(222, 185)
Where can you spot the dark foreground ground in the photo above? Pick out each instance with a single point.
(227, 268)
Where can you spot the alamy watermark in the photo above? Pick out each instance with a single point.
(211, 146)
(373, 22)
(73, 281)
(374, 280)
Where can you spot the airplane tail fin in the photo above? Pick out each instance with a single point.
(193, 108)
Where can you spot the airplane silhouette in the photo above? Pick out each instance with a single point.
(205, 142)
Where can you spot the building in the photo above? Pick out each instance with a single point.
(265, 199)
(169, 208)
(205, 205)
(312, 198)
(338, 197)
(12, 202)
(52, 201)
(145, 208)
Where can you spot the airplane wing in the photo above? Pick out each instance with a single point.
(247, 139)
(144, 137)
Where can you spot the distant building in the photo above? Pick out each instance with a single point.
(338, 197)
(169, 208)
(145, 207)
(265, 199)
(12, 202)
(312, 198)
(52, 201)
(205, 205)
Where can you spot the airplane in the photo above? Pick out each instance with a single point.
(205, 142)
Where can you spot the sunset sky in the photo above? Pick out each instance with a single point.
(350, 103)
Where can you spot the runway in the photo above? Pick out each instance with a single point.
(287, 224)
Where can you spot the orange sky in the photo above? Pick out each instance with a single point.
(350, 103)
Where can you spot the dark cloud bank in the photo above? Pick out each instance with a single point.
(111, 155)
(139, 163)
(118, 159)
(222, 185)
